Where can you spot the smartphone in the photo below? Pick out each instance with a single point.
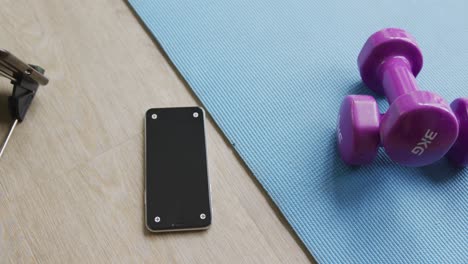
(177, 193)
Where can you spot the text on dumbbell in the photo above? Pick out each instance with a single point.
(422, 145)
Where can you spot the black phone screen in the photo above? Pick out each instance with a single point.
(177, 187)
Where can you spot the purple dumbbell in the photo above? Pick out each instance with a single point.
(419, 127)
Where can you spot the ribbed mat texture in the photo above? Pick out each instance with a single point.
(273, 74)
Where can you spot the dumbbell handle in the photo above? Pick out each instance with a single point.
(397, 77)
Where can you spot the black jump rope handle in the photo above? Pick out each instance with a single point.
(24, 90)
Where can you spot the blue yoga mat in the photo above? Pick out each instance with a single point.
(273, 74)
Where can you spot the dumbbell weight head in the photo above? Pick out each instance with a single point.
(358, 129)
(418, 129)
(458, 155)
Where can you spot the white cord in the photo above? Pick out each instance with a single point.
(5, 143)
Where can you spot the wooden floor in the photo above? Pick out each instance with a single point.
(71, 180)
